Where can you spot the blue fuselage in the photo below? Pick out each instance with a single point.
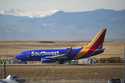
(94, 47)
(48, 55)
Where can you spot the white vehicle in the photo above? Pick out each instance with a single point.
(11, 79)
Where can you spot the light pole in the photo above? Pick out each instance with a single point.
(0, 69)
(124, 62)
(4, 68)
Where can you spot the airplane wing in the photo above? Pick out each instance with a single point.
(58, 58)
(12, 79)
(61, 58)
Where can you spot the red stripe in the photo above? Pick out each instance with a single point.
(99, 42)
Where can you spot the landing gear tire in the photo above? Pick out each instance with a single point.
(61, 62)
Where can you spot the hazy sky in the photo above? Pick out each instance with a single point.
(65, 5)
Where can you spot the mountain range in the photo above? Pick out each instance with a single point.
(61, 25)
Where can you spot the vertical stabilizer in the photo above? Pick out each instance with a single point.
(95, 43)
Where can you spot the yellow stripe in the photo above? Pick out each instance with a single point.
(86, 48)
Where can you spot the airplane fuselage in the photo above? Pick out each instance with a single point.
(94, 47)
(48, 55)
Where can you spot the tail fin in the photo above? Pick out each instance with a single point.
(95, 43)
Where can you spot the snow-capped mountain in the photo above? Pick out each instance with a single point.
(60, 25)
(29, 13)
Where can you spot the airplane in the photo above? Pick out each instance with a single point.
(12, 79)
(94, 47)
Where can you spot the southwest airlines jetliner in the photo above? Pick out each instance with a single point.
(94, 47)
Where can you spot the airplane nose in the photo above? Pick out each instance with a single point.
(19, 56)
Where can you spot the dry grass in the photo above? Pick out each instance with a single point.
(67, 72)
